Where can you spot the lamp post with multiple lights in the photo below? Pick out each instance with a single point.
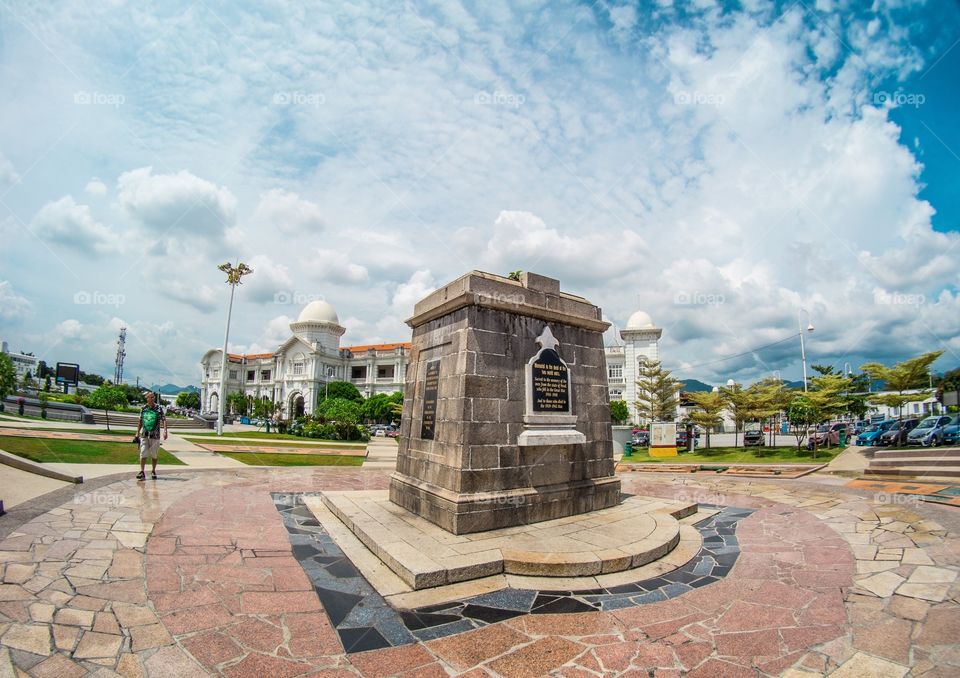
(234, 273)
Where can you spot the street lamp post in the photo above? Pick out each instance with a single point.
(234, 273)
(803, 352)
(326, 384)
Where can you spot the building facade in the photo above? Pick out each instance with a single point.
(298, 371)
(639, 340)
(22, 363)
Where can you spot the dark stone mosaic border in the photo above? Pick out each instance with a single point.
(365, 621)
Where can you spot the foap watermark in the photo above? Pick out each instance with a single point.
(701, 496)
(884, 298)
(95, 298)
(111, 499)
(692, 298)
(696, 98)
(501, 299)
(299, 98)
(84, 98)
(899, 98)
(498, 98)
(896, 499)
(285, 297)
(502, 501)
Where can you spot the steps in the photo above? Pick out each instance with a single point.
(916, 462)
(129, 419)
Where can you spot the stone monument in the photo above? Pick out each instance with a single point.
(506, 419)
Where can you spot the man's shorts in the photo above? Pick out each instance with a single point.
(149, 448)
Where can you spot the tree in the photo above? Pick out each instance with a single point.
(378, 407)
(657, 392)
(824, 401)
(188, 399)
(904, 376)
(94, 379)
(341, 389)
(739, 404)
(263, 409)
(44, 371)
(948, 381)
(344, 413)
(237, 402)
(8, 378)
(822, 370)
(107, 397)
(396, 405)
(710, 405)
(619, 412)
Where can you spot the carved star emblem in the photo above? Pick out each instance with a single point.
(547, 340)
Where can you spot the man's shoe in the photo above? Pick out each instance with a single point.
(154, 476)
(141, 476)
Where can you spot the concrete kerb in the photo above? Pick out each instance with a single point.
(39, 469)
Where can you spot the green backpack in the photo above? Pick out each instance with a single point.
(150, 420)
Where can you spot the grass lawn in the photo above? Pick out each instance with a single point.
(96, 431)
(738, 455)
(47, 450)
(280, 437)
(294, 459)
(267, 442)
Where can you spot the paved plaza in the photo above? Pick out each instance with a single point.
(224, 572)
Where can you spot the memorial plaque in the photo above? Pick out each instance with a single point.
(431, 383)
(551, 383)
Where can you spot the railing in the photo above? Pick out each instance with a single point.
(615, 380)
(385, 380)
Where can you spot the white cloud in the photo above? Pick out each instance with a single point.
(336, 267)
(12, 305)
(203, 297)
(8, 173)
(287, 212)
(68, 224)
(420, 284)
(270, 282)
(182, 203)
(70, 329)
(96, 188)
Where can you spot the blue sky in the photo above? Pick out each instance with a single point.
(720, 167)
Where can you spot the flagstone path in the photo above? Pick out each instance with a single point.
(194, 574)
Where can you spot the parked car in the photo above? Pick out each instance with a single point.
(874, 431)
(897, 434)
(827, 435)
(951, 432)
(640, 438)
(929, 431)
(754, 438)
(859, 427)
(682, 439)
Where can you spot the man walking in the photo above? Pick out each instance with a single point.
(148, 432)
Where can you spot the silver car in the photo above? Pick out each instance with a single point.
(929, 431)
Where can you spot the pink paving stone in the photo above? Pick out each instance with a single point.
(311, 635)
(165, 602)
(291, 579)
(691, 654)
(122, 591)
(256, 665)
(889, 639)
(196, 619)
(172, 662)
(465, 650)
(807, 636)
(779, 665)
(212, 648)
(822, 578)
(666, 628)
(161, 545)
(781, 595)
(240, 574)
(742, 616)
(537, 659)
(644, 615)
(257, 602)
(717, 668)
(57, 666)
(256, 634)
(651, 655)
(942, 627)
(390, 661)
(616, 657)
(748, 643)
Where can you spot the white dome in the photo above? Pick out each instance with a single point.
(318, 312)
(640, 321)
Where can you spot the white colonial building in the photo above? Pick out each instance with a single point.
(300, 368)
(639, 340)
(23, 363)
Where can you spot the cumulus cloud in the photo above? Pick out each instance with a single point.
(270, 282)
(12, 305)
(182, 203)
(336, 267)
(96, 188)
(203, 297)
(8, 174)
(287, 212)
(66, 223)
(407, 294)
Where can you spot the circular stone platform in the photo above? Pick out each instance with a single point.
(637, 531)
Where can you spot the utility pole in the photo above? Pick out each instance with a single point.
(233, 279)
(121, 354)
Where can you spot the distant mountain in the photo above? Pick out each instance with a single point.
(173, 389)
(695, 385)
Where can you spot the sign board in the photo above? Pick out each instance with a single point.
(663, 434)
(431, 384)
(68, 373)
(550, 383)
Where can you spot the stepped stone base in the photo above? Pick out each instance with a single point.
(632, 534)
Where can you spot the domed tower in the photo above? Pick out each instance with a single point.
(641, 340)
(318, 323)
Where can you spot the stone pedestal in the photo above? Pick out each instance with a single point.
(506, 415)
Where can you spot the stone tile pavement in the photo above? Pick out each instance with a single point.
(195, 575)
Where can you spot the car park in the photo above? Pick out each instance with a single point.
(896, 435)
(874, 431)
(828, 435)
(929, 431)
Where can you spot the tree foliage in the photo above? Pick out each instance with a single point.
(341, 389)
(188, 399)
(657, 392)
(378, 408)
(619, 412)
(903, 376)
(237, 403)
(8, 376)
(709, 409)
(107, 397)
